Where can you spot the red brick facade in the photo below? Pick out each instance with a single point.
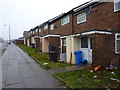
(102, 17)
(19, 42)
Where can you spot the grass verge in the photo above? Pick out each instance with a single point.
(86, 79)
(42, 58)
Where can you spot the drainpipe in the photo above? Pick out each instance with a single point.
(72, 23)
(71, 39)
(48, 34)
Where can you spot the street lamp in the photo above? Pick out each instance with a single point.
(9, 34)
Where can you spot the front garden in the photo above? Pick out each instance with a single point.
(42, 58)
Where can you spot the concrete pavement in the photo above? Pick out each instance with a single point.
(21, 71)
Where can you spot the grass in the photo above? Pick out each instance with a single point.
(42, 58)
(85, 78)
(79, 78)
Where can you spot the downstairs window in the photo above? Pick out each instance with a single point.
(117, 43)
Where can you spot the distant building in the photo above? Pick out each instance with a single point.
(19, 41)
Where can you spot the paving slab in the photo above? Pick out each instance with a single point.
(20, 85)
(33, 82)
(69, 68)
(28, 74)
(13, 77)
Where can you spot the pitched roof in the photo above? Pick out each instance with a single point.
(25, 32)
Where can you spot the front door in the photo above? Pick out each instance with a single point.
(86, 47)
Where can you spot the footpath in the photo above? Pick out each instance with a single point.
(21, 71)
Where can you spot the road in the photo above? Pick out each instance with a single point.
(21, 71)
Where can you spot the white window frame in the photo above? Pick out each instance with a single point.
(81, 15)
(39, 29)
(33, 32)
(63, 20)
(116, 39)
(46, 27)
(115, 2)
(52, 26)
(36, 29)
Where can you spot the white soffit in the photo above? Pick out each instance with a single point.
(87, 33)
(51, 36)
(94, 32)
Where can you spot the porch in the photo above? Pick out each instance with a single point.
(87, 42)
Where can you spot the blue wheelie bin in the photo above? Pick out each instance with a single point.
(78, 56)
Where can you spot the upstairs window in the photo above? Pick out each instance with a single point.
(117, 43)
(81, 18)
(39, 30)
(116, 5)
(46, 27)
(65, 20)
(33, 32)
(52, 26)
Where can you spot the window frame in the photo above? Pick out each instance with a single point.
(36, 29)
(52, 26)
(116, 39)
(33, 32)
(63, 19)
(39, 29)
(83, 43)
(115, 5)
(79, 16)
(46, 27)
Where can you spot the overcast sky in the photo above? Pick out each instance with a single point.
(22, 15)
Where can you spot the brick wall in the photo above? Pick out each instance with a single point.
(19, 42)
(101, 17)
(104, 50)
(62, 30)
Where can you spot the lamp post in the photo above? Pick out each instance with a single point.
(9, 34)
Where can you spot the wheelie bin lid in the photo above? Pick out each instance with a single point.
(76, 52)
(52, 52)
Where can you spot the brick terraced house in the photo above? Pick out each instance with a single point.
(93, 28)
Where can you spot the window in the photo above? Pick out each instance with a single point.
(116, 5)
(81, 18)
(46, 27)
(117, 43)
(63, 42)
(52, 26)
(65, 20)
(33, 32)
(84, 42)
(39, 30)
